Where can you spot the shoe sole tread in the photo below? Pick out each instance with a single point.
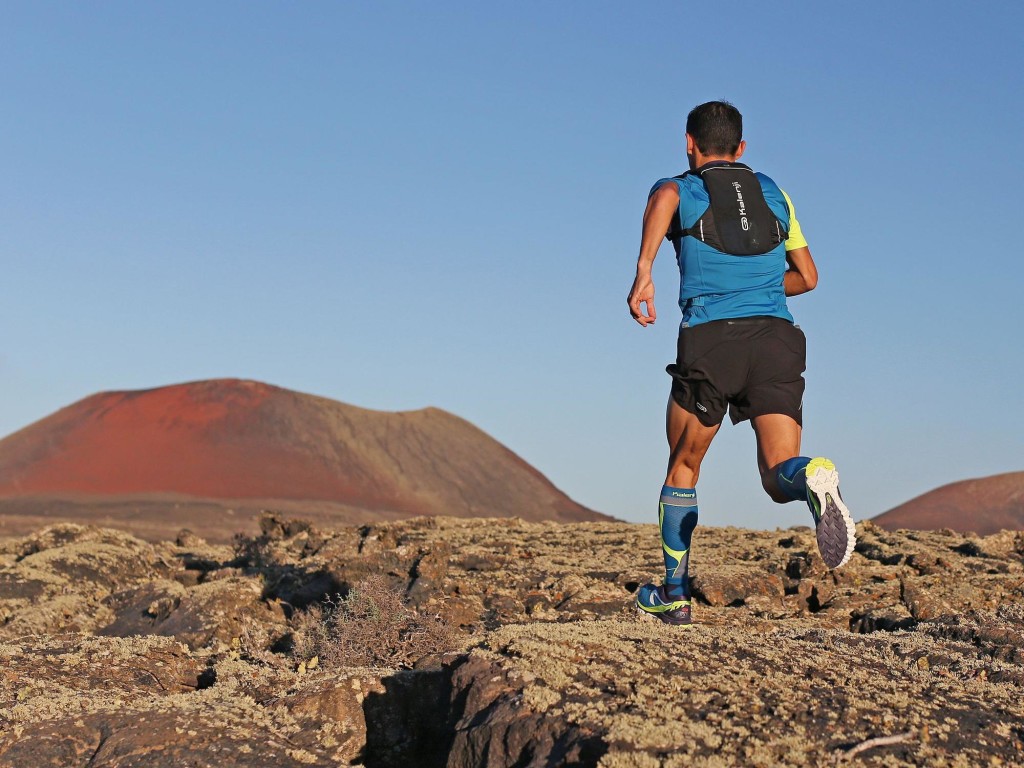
(836, 531)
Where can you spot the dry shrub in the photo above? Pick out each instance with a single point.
(311, 631)
(372, 626)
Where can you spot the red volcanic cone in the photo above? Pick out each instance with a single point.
(231, 439)
(983, 506)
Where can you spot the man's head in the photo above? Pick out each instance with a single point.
(715, 131)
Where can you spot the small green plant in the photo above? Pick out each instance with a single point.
(371, 626)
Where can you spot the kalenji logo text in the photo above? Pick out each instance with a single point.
(743, 206)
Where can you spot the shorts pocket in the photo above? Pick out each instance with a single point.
(692, 346)
(794, 339)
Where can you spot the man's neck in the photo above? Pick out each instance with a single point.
(698, 159)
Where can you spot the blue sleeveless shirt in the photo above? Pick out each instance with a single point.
(717, 286)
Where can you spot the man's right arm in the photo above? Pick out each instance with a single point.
(661, 207)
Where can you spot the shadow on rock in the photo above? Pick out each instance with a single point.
(467, 713)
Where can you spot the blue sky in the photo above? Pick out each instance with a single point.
(407, 204)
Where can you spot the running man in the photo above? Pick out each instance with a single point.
(740, 253)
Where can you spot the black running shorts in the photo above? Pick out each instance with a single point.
(753, 365)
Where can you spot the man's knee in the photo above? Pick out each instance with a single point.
(771, 487)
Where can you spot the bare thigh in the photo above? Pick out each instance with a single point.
(778, 439)
(688, 441)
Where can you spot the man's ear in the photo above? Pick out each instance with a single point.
(740, 149)
(691, 145)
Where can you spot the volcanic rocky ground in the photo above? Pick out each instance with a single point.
(119, 652)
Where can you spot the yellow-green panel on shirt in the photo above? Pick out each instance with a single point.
(796, 235)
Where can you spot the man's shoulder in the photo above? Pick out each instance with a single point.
(771, 189)
(670, 185)
(764, 178)
(686, 184)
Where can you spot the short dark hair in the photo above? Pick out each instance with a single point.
(716, 127)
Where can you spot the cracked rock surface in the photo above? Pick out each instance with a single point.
(118, 652)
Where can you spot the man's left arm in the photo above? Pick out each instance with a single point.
(802, 275)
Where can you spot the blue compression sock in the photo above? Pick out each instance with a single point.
(677, 515)
(792, 478)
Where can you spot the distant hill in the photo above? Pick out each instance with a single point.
(984, 505)
(253, 445)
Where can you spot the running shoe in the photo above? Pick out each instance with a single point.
(835, 529)
(654, 602)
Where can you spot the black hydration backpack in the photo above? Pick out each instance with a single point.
(738, 221)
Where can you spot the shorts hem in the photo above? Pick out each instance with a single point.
(753, 414)
(702, 417)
